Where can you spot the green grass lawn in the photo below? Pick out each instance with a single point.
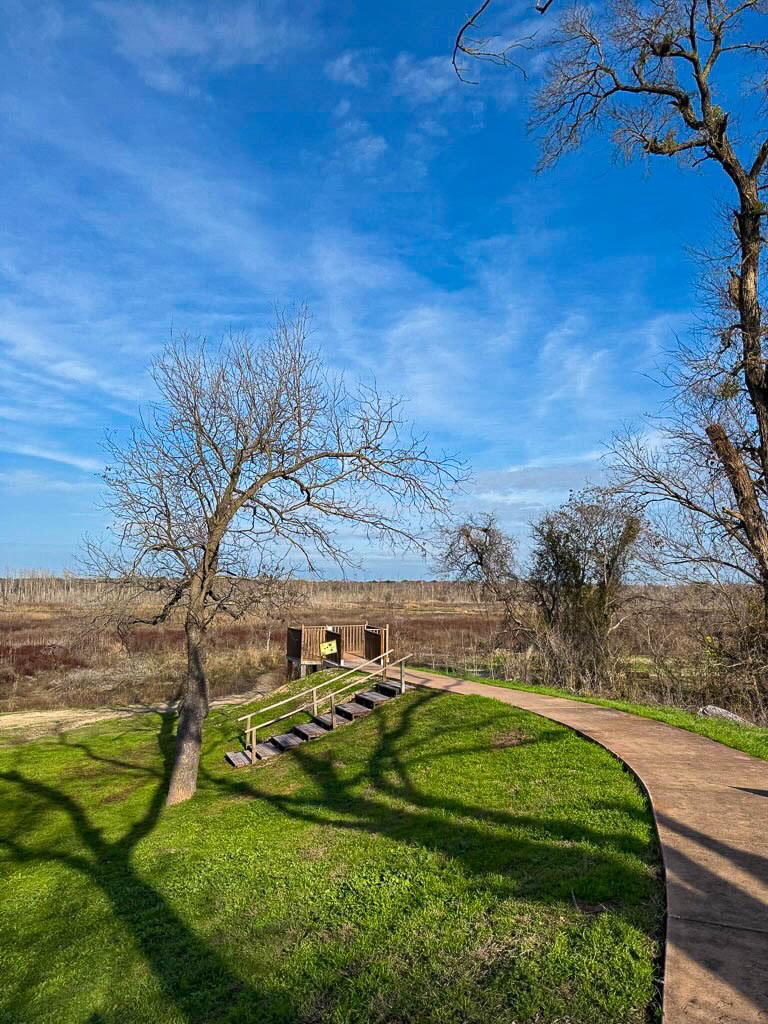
(750, 739)
(448, 859)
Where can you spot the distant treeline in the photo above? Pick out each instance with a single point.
(39, 587)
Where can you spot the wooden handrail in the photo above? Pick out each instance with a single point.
(251, 730)
(310, 689)
(351, 671)
(371, 675)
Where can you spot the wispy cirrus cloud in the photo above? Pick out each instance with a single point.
(52, 454)
(30, 482)
(521, 494)
(426, 80)
(428, 260)
(353, 67)
(358, 146)
(540, 481)
(430, 341)
(172, 45)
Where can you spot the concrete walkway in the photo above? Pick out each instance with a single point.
(710, 804)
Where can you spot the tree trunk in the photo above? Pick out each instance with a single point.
(189, 732)
(750, 513)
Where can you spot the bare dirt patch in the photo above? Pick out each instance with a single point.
(511, 738)
(22, 726)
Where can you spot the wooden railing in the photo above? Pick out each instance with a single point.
(303, 642)
(316, 699)
(352, 638)
(311, 638)
(369, 675)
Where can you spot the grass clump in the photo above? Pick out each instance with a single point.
(448, 859)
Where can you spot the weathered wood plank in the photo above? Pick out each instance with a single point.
(237, 758)
(351, 709)
(287, 740)
(266, 750)
(309, 731)
(372, 698)
(391, 689)
(326, 723)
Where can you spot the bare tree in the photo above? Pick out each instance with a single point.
(477, 551)
(654, 75)
(255, 455)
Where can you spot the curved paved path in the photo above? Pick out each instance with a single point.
(710, 804)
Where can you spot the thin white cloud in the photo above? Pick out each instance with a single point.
(426, 80)
(342, 108)
(429, 341)
(27, 347)
(171, 44)
(350, 68)
(568, 362)
(27, 481)
(359, 147)
(543, 482)
(52, 455)
(544, 465)
(201, 230)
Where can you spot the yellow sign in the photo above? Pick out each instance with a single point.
(328, 648)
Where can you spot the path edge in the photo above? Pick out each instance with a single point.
(660, 983)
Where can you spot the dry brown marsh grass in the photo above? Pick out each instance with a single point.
(675, 647)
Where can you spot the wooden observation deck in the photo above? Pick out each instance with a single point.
(303, 653)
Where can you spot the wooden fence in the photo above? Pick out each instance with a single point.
(352, 638)
(356, 639)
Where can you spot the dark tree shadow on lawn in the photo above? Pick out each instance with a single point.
(549, 868)
(180, 960)
(564, 860)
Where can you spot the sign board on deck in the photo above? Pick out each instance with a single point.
(328, 648)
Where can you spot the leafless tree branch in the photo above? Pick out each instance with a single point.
(254, 455)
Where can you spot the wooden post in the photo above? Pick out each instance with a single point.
(402, 677)
(333, 711)
(253, 743)
(314, 700)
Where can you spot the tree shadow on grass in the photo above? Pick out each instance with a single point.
(383, 796)
(180, 960)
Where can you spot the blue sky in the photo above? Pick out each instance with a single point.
(180, 166)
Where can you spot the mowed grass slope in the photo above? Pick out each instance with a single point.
(448, 859)
(744, 736)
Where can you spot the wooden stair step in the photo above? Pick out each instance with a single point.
(351, 709)
(238, 758)
(390, 689)
(266, 750)
(309, 730)
(358, 707)
(287, 740)
(372, 698)
(325, 720)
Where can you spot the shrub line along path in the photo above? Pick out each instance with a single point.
(710, 805)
